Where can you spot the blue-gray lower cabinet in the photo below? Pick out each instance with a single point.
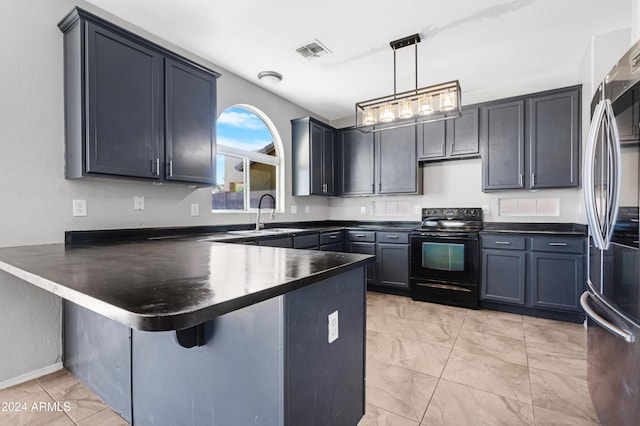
(503, 276)
(270, 363)
(392, 252)
(557, 272)
(534, 274)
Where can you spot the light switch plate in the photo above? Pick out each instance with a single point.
(333, 327)
(195, 209)
(294, 209)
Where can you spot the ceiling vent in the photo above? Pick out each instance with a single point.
(315, 49)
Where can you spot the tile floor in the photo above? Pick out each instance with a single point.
(426, 365)
(438, 365)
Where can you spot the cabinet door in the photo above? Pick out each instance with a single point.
(321, 161)
(554, 140)
(328, 172)
(557, 280)
(463, 137)
(396, 161)
(503, 276)
(190, 102)
(366, 248)
(503, 146)
(315, 163)
(124, 106)
(357, 161)
(431, 140)
(393, 265)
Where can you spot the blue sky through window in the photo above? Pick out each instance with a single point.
(242, 129)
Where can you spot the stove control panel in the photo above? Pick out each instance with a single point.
(458, 213)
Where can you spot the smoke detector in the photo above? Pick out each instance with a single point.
(312, 50)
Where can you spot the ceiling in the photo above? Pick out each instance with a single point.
(481, 43)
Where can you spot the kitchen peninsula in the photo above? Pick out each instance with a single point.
(186, 331)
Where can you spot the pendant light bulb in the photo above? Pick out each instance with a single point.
(405, 109)
(386, 113)
(369, 116)
(424, 107)
(446, 101)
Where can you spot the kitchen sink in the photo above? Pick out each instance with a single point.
(268, 231)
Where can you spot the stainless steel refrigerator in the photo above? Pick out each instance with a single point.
(612, 299)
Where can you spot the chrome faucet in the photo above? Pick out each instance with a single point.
(258, 224)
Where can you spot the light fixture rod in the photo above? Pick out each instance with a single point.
(399, 44)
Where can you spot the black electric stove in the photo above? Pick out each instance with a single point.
(445, 257)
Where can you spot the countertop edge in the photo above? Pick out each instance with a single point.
(180, 320)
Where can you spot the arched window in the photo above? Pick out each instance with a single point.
(249, 162)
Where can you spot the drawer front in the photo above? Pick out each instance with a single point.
(365, 236)
(305, 241)
(558, 244)
(503, 241)
(393, 237)
(330, 237)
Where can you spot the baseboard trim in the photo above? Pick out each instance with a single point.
(31, 375)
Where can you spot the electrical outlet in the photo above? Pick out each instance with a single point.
(138, 202)
(417, 209)
(195, 209)
(79, 207)
(333, 327)
(307, 209)
(486, 209)
(294, 209)
(363, 210)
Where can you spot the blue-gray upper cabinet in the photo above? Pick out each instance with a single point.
(532, 142)
(450, 139)
(396, 162)
(554, 140)
(356, 163)
(313, 157)
(190, 99)
(503, 140)
(127, 111)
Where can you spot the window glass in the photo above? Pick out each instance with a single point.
(228, 194)
(249, 162)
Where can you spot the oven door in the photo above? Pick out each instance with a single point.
(444, 268)
(448, 258)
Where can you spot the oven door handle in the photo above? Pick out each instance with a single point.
(445, 287)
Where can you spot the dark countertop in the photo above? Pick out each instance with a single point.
(536, 228)
(160, 285)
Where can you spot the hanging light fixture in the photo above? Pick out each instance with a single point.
(424, 105)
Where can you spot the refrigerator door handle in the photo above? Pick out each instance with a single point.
(626, 336)
(603, 120)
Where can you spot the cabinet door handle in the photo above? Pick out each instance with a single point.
(157, 171)
(333, 237)
(360, 235)
(506, 243)
(520, 178)
(558, 244)
(170, 167)
(533, 179)
(395, 237)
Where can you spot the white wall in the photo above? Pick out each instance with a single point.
(36, 199)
